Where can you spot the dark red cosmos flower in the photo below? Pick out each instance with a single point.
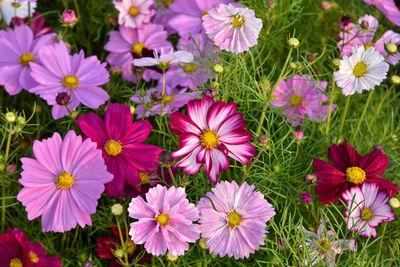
(37, 24)
(107, 245)
(16, 250)
(349, 169)
(121, 141)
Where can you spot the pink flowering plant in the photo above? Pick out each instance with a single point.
(199, 133)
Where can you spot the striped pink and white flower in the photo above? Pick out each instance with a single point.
(210, 133)
(368, 207)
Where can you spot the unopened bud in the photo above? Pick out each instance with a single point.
(119, 253)
(293, 42)
(263, 139)
(69, 17)
(336, 62)
(310, 178)
(364, 25)
(271, 3)
(157, 96)
(211, 92)
(167, 159)
(171, 257)
(11, 168)
(10, 117)
(395, 80)
(87, 263)
(310, 57)
(202, 243)
(117, 209)
(21, 120)
(326, 5)
(391, 48)
(394, 203)
(218, 68)
(63, 98)
(305, 198)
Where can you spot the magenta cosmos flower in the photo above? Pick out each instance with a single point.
(187, 20)
(80, 77)
(323, 246)
(63, 182)
(300, 96)
(128, 44)
(165, 221)
(348, 169)
(233, 29)
(37, 24)
(368, 207)
(134, 13)
(121, 142)
(234, 223)
(210, 133)
(17, 49)
(17, 251)
(388, 8)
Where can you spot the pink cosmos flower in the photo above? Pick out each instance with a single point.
(37, 24)
(17, 49)
(368, 207)
(80, 77)
(150, 102)
(233, 29)
(69, 17)
(134, 13)
(163, 15)
(164, 59)
(210, 133)
(165, 221)
(17, 251)
(323, 246)
(187, 20)
(128, 44)
(388, 8)
(234, 223)
(300, 96)
(63, 182)
(121, 142)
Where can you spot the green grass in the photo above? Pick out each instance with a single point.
(279, 171)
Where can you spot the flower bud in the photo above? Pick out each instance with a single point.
(87, 263)
(218, 68)
(117, 209)
(298, 135)
(395, 80)
(116, 70)
(21, 120)
(63, 98)
(171, 257)
(394, 203)
(305, 198)
(157, 96)
(112, 20)
(336, 62)
(202, 243)
(211, 92)
(293, 42)
(133, 109)
(391, 48)
(326, 5)
(310, 57)
(11, 168)
(380, 148)
(293, 65)
(167, 159)
(271, 3)
(2, 166)
(119, 253)
(310, 178)
(10, 117)
(364, 25)
(69, 17)
(263, 139)
(345, 23)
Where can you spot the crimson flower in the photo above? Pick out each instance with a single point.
(349, 169)
(121, 141)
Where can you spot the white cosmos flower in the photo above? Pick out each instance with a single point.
(164, 59)
(8, 10)
(361, 71)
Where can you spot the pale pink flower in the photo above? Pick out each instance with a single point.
(164, 60)
(210, 133)
(134, 13)
(64, 181)
(233, 29)
(368, 207)
(234, 222)
(388, 8)
(165, 221)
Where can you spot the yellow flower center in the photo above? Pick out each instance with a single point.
(168, 99)
(163, 219)
(133, 11)
(238, 20)
(360, 69)
(144, 177)
(137, 48)
(130, 247)
(295, 100)
(366, 46)
(64, 180)
(113, 148)
(204, 13)
(355, 175)
(366, 214)
(209, 139)
(70, 81)
(33, 257)
(190, 68)
(16, 262)
(25, 58)
(323, 244)
(234, 219)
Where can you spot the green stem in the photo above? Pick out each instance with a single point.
(272, 91)
(79, 14)
(29, 14)
(328, 122)
(362, 115)
(3, 191)
(383, 100)
(254, 161)
(346, 107)
(123, 245)
(172, 177)
(383, 234)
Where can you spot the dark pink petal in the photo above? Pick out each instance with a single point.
(197, 111)
(93, 126)
(138, 132)
(234, 122)
(343, 156)
(118, 120)
(116, 186)
(189, 163)
(374, 163)
(180, 123)
(236, 137)
(216, 161)
(187, 142)
(141, 156)
(218, 113)
(241, 152)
